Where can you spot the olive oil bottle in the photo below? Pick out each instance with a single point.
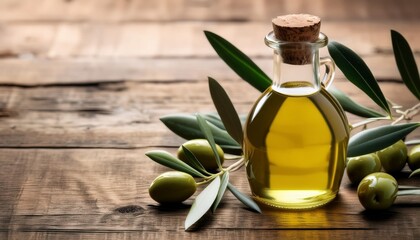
(296, 134)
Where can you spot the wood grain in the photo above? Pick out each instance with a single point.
(189, 10)
(82, 87)
(86, 71)
(180, 39)
(63, 54)
(126, 115)
(97, 191)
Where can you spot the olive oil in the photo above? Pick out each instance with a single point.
(296, 135)
(295, 147)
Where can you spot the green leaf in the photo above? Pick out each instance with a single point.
(247, 201)
(235, 150)
(202, 203)
(375, 139)
(226, 110)
(405, 187)
(209, 136)
(406, 63)
(357, 72)
(408, 192)
(166, 159)
(193, 161)
(215, 120)
(239, 62)
(415, 173)
(222, 189)
(352, 107)
(412, 142)
(186, 126)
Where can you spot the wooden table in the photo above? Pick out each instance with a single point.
(82, 87)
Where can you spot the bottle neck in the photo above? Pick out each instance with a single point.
(296, 65)
(296, 78)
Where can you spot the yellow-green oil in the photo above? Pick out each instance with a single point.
(295, 148)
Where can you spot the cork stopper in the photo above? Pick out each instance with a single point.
(297, 28)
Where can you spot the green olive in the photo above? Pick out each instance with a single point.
(377, 191)
(361, 166)
(172, 187)
(394, 157)
(202, 151)
(414, 158)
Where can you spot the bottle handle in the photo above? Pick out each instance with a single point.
(329, 71)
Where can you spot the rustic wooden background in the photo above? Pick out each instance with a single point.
(82, 87)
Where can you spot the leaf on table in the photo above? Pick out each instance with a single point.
(186, 126)
(222, 190)
(375, 139)
(415, 173)
(405, 187)
(406, 63)
(235, 150)
(202, 123)
(352, 107)
(202, 203)
(239, 62)
(408, 192)
(193, 161)
(226, 110)
(357, 72)
(215, 120)
(412, 142)
(166, 159)
(247, 201)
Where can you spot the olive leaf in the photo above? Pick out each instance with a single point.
(235, 150)
(412, 142)
(408, 192)
(186, 126)
(226, 110)
(375, 139)
(357, 72)
(406, 63)
(202, 203)
(202, 123)
(405, 187)
(215, 120)
(415, 173)
(247, 201)
(193, 161)
(239, 62)
(166, 159)
(222, 190)
(352, 107)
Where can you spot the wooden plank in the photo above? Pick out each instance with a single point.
(186, 10)
(44, 54)
(99, 73)
(235, 234)
(133, 112)
(126, 115)
(85, 71)
(97, 192)
(181, 39)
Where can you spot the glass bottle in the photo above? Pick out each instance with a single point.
(296, 134)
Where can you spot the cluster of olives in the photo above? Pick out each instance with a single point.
(174, 186)
(377, 190)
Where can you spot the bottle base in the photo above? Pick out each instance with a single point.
(297, 199)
